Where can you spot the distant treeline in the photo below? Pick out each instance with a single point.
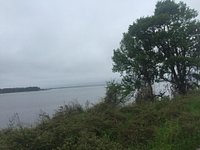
(23, 89)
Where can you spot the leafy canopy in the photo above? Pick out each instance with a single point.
(161, 47)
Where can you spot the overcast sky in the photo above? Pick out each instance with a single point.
(63, 42)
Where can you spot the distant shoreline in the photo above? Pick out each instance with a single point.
(35, 89)
(19, 89)
(75, 86)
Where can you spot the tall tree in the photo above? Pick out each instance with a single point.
(177, 37)
(162, 47)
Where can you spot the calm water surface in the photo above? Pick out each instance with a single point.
(28, 105)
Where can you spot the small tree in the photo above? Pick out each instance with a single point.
(113, 93)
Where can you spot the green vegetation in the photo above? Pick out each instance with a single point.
(166, 124)
(161, 47)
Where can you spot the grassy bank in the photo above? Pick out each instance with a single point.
(162, 125)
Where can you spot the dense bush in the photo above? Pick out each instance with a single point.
(113, 93)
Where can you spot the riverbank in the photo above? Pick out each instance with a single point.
(167, 125)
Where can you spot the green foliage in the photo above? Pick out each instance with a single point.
(161, 47)
(167, 124)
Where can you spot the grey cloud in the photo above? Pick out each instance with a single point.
(49, 43)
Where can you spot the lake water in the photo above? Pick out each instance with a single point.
(29, 105)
